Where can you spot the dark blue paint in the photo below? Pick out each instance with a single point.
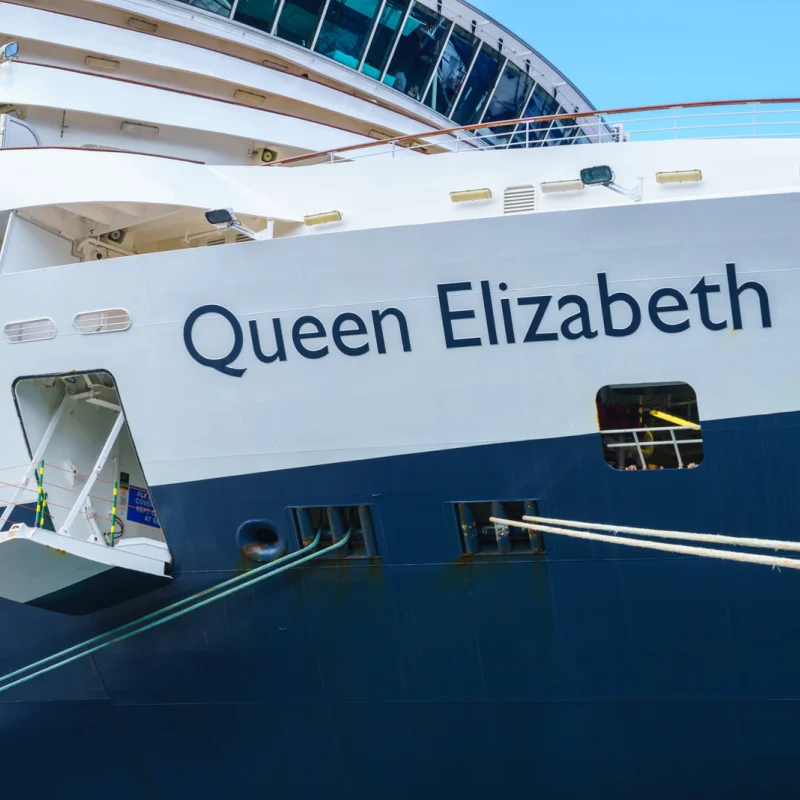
(591, 670)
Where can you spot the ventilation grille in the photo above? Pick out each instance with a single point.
(29, 330)
(107, 320)
(518, 199)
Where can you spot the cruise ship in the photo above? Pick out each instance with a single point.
(383, 419)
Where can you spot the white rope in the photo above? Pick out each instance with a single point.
(725, 555)
(710, 538)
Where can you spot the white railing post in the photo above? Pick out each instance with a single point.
(98, 468)
(677, 449)
(639, 449)
(37, 457)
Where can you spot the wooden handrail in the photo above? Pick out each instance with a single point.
(420, 137)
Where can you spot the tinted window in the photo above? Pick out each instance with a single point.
(345, 30)
(417, 51)
(479, 86)
(451, 71)
(511, 92)
(541, 104)
(256, 13)
(385, 34)
(221, 7)
(563, 131)
(298, 21)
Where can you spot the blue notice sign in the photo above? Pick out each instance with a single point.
(140, 509)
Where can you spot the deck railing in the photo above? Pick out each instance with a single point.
(722, 119)
(642, 439)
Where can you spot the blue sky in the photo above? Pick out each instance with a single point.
(640, 52)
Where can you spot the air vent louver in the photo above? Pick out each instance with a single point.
(517, 199)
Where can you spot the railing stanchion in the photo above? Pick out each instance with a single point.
(677, 449)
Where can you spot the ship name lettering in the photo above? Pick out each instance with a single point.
(350, 335)
(621, 314)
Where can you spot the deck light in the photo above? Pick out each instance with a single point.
(226, 220)
(603, 175)
(468, 195)
(322, 219)
(679, 176)
(143, 25)
(561, 186)
(250, 97)
(137, 129)
(9, 51)
(101, 63)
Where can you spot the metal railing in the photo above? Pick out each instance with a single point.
(640, 442)
(723, 119)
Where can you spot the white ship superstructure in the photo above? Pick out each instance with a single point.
(306, 327)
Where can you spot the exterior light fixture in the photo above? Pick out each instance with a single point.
(603, 175)
(679, 176)
(98, 62)
(226, 220)
(469, 195)
(138, 129)
(250, 97)
(562, 186)
(323, 219)
(143, 25)
(9, 51)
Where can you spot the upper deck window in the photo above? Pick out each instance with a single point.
(511, 93)
(221, 7)
(479, 86)
(391, 18)
(563, 131)
(650, 426)
(512, 90)
(345, 30)
(417, 51)
(451, 71)
(298, 21)
(256, 13)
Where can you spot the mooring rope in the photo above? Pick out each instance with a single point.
(707, 552)
(156, 618)
(710, 538)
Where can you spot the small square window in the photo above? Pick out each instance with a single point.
(650, 426)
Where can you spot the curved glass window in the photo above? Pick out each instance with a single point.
(541, 104)
(298, 21)
(479, 86)
(256, 13)
(563, 131)
(451, 71)
(345, 30)
(221, 7)
(512, 91)
(385, 33)
(417, 51)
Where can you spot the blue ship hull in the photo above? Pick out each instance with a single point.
(591, 670)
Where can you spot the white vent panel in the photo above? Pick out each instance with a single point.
(107, 320)
(29, 330)
(517, 199)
